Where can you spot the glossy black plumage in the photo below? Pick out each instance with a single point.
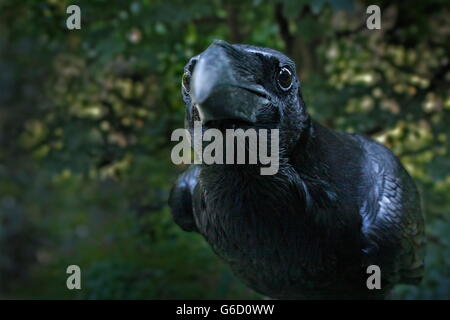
(339, 202)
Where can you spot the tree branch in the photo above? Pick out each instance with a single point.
(283, 25)
(233, 23)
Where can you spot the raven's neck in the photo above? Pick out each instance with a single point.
(296, 220)
(329, 156)
(319, 171)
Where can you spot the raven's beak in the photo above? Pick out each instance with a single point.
(221, 89)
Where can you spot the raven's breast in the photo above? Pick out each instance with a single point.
(267, 242)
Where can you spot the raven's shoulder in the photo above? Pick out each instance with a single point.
(393, 224)
(181, 198)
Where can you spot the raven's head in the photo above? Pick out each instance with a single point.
(242, 86)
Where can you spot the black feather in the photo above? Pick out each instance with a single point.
(339, 202)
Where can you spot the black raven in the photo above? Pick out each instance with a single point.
(339, 202)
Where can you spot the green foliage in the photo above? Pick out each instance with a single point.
(86, 117)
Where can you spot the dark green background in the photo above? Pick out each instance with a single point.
(86, 118)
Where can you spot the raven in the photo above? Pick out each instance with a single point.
(338, 204)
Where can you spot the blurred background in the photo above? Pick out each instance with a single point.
(86, 117)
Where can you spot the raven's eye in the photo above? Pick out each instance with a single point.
(186, 81)
(285, 79)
